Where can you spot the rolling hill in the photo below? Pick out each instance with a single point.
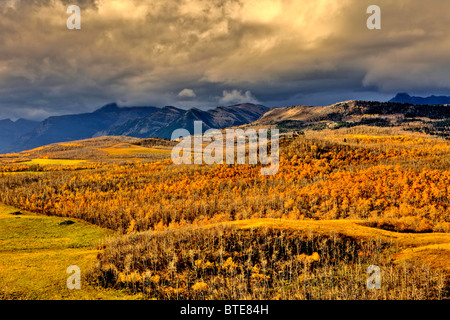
(106, 148)
(431, 119)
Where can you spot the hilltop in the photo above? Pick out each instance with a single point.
(430, 119)
(100, 149)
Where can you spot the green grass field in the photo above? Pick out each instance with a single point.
(35, 252)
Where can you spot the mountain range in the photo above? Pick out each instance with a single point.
(141, 122)
(429, 115)
(12, 130)
(431, 100)
(162, 123)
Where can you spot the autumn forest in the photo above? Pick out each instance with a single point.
(227, 232)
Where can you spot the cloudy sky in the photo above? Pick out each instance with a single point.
(205, 53)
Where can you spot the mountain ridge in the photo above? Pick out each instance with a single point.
(217, 118)
(428, 119)
(153, 122)
(342, 110)
(140, 122)
(76, 127)
(430, 100)
(12, 130)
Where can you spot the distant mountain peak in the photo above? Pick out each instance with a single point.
(402, 95)
(171, 108)
(20, 121)
(108, 107)
(430, 100)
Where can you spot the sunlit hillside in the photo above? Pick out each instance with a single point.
(342, 200)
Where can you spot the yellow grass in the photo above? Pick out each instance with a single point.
(431, 248)
(71, 144)
(35, 254)
(436, 255)
(129, 149)
(60, 162)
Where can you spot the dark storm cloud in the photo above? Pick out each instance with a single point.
(276, 52)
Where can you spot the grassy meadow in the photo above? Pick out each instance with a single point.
(36, 250)
(148, 229)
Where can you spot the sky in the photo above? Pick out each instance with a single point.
(207, 53)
